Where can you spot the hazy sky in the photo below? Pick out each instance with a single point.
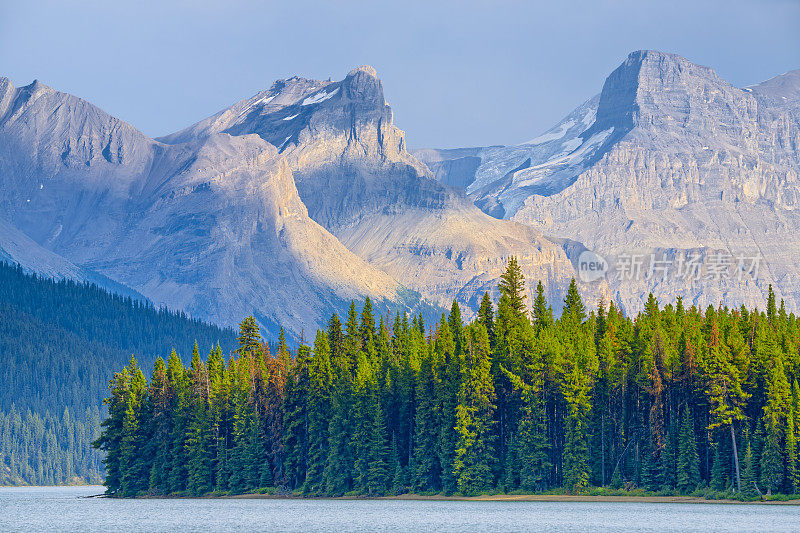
(460, 73)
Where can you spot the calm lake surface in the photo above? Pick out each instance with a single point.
(67, 509)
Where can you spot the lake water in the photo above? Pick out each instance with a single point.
(66, 509)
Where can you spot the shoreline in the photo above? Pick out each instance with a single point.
(587, 498)
(510, 498)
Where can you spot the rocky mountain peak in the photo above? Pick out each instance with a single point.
(369, 70)
(655, 91)
(786, 84)
(293, 89)
(781, 92)
(34, 91)
(362, 84)
(11, 97)
(36, 86)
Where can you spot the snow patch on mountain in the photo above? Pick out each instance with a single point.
(320, 97)
(553, 135)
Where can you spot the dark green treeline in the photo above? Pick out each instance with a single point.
(59, 342)
(672, 400)
(44, 449)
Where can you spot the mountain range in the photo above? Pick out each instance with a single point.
(668, 163)
(289, 204)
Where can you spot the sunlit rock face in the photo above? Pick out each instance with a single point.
(213, 226)
(359, 181)
(293, 202)
(286, 205)
(669, 160)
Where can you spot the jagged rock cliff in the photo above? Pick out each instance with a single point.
(670, 159)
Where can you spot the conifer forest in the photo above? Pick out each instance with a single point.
(675, 400)
(60, 342)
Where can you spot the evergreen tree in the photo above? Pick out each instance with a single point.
(378, 474)
(530, 445)
(199, 440)
(791, 477)
(133, 459)
(542, 313)
(428, 470)
(486, 316)
(473, 464)
(111, 439)
(296, 420)
(319, 404)
(160, 402)
(574, 309)
(249, 336)
(688, 464)
(451, 359)
(176, 376)
(576, 453)
(512, 285)
(771, 310)
(749, 479)
(580, 364)
(725, 393)
(772, 461)
(718, 469)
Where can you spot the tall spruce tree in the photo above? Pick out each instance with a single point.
(199, 440)
(427, 465)
(512, 284)
(474, 460)
(486, 316)
(542, 313)
(688, 463)
(320, 379)
(725, 392)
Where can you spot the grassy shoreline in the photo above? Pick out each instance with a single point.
(612, 496)
(526, 498)
(622, 498)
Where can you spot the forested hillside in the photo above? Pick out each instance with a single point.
(673, 400)
(60, 342)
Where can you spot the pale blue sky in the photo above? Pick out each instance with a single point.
(459, 73)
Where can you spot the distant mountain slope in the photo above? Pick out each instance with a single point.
(60, 343)
(213, 227)
(676, 161)
(357, 179)
(84, 333)
(18, 248)
(499, 178)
